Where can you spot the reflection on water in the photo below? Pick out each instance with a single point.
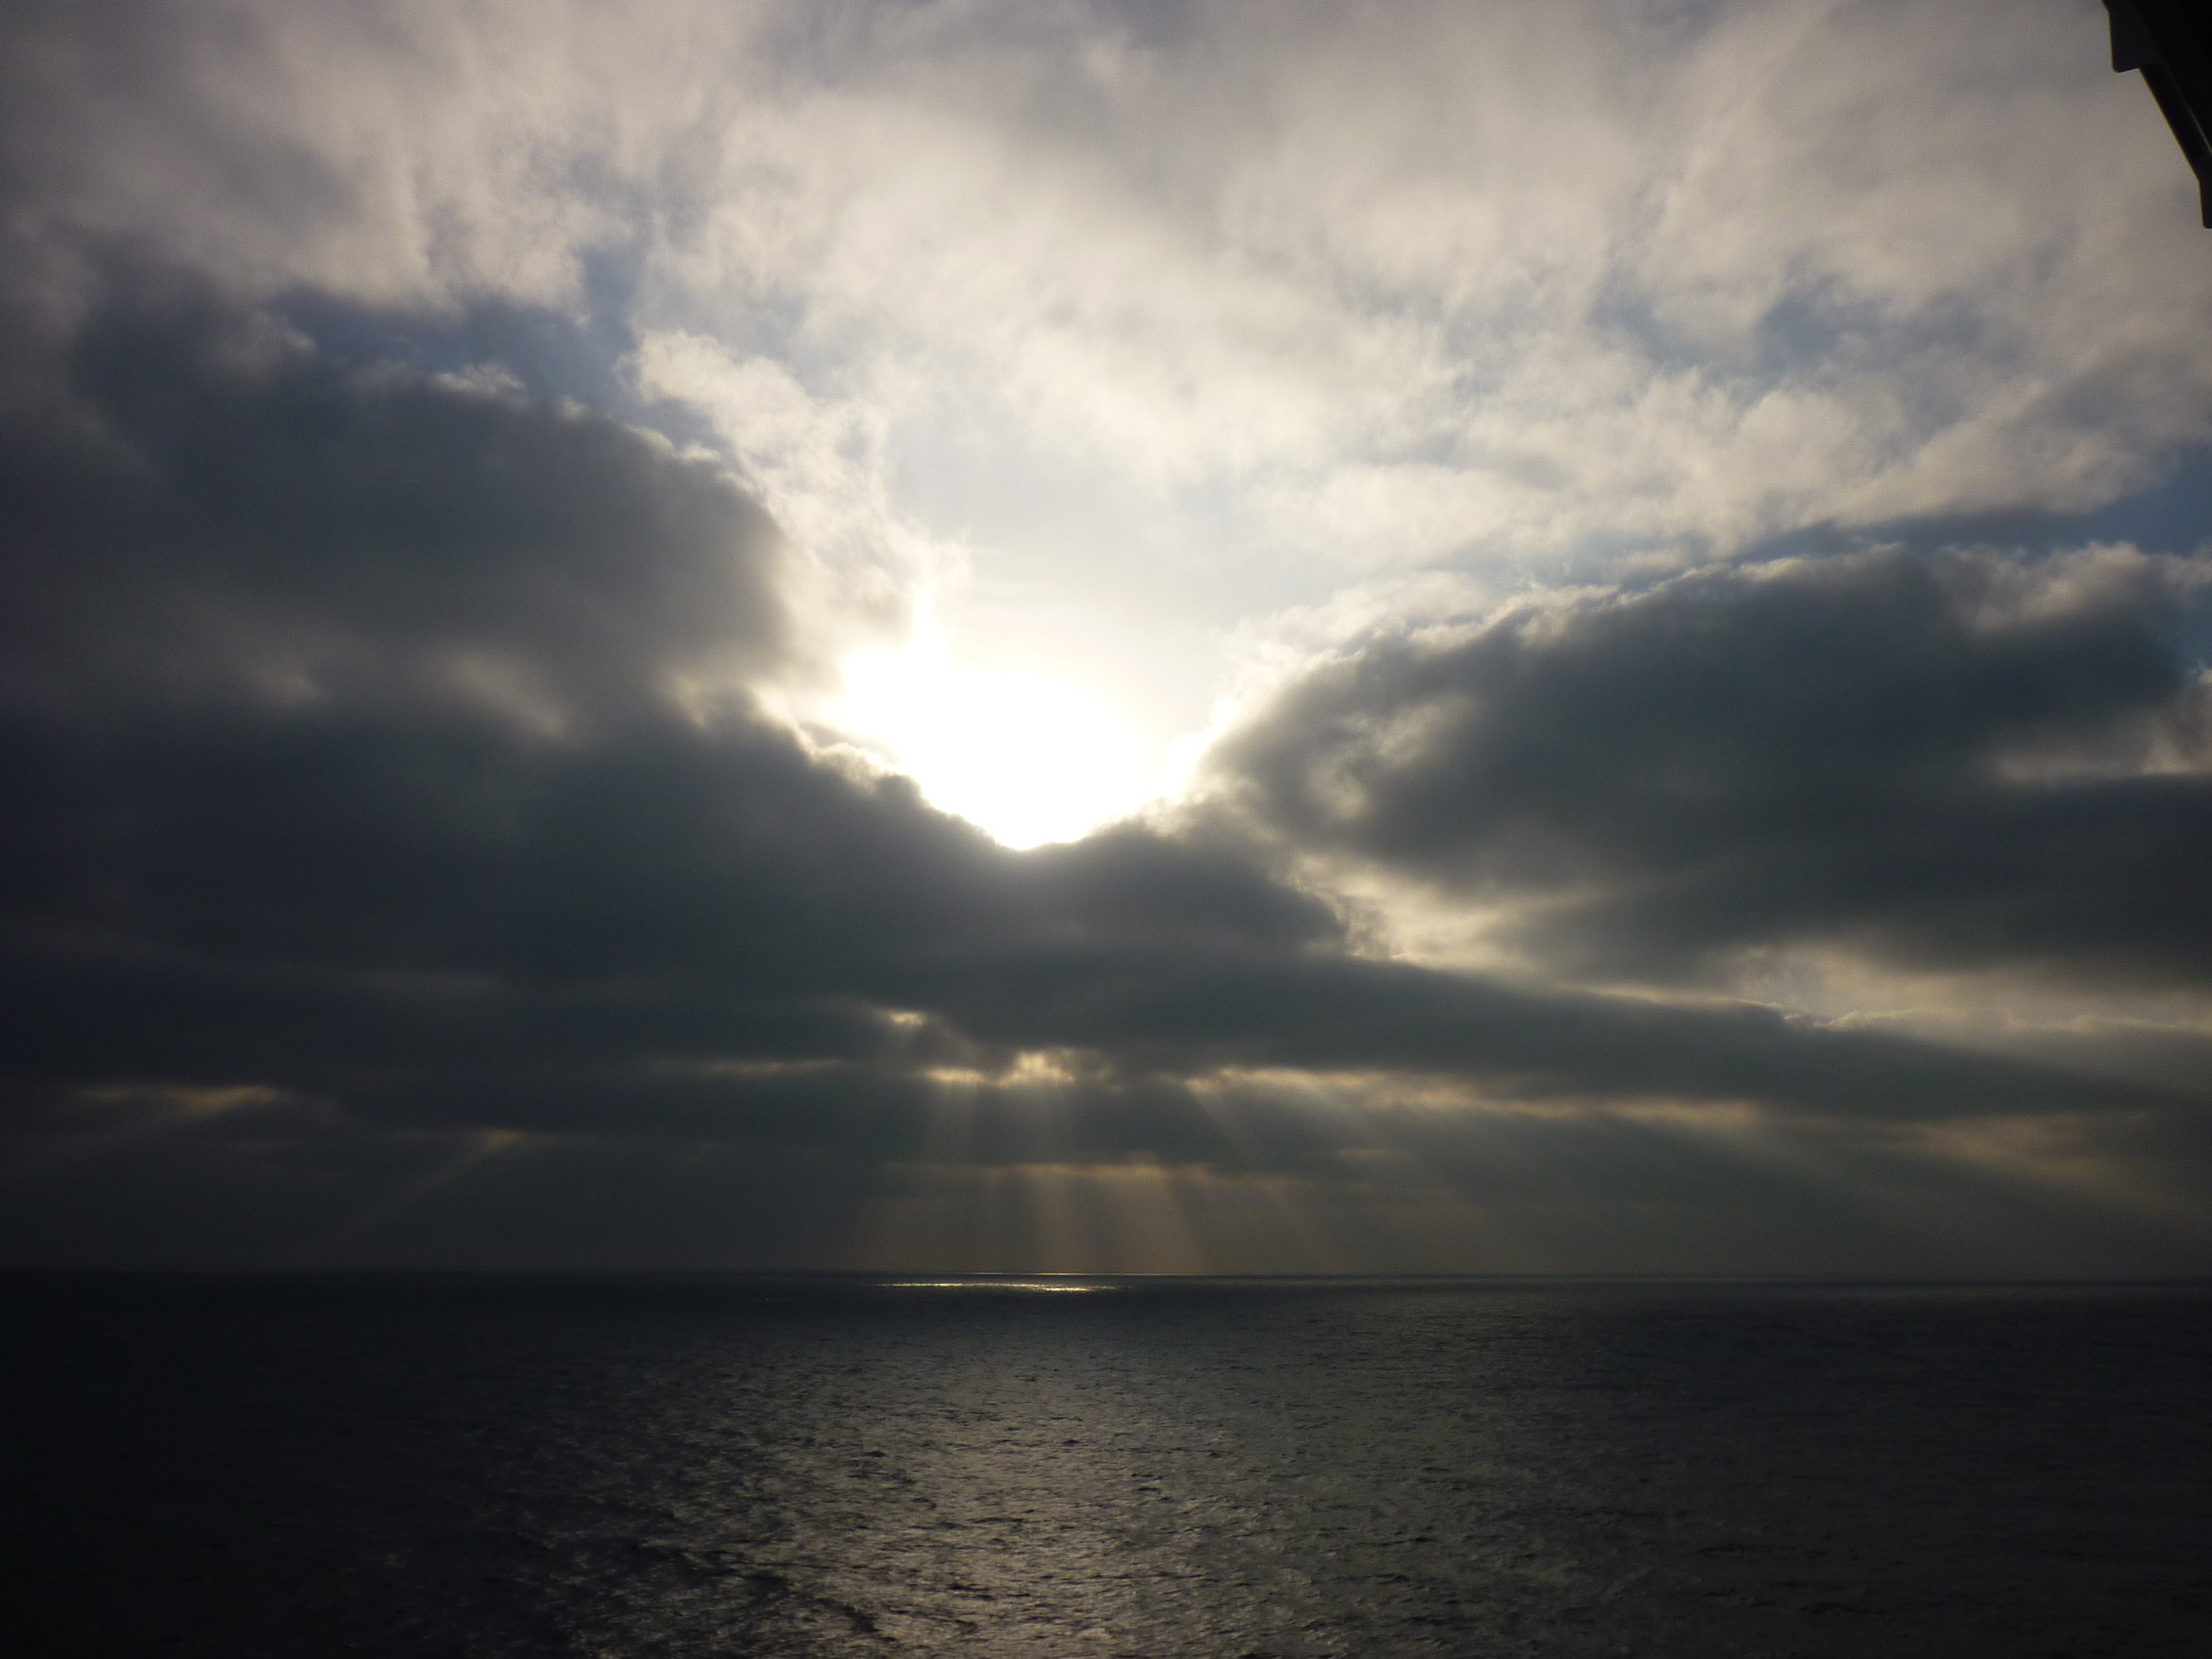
(1160, 1468)
(1044, 1286)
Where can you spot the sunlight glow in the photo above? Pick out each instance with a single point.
(1038, 1286)
(1026, 758)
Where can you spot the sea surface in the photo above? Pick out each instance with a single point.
(410, 1465)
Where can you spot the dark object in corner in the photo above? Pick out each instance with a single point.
(2171, 42)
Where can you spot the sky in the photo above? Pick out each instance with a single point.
(1064, 635)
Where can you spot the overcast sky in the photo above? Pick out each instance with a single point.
(1013, 636)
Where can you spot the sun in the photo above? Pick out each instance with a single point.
(1025, 756)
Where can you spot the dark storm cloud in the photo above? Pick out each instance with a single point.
(458, 922)
(1956, 759)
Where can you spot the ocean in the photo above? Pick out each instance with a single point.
(404, 1465)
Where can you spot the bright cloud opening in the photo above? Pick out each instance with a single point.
(1025, 756)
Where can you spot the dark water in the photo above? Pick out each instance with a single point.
(507, 1467)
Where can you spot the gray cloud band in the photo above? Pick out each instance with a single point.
(1957, 759)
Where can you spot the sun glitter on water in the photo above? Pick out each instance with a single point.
(1016, 1286)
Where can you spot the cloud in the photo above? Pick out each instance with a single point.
(1489, 279)
(276, 831)
(1959, 759)
(406, 859)
(212, 505)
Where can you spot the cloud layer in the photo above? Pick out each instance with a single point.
(434, 481)
(1959, 760)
